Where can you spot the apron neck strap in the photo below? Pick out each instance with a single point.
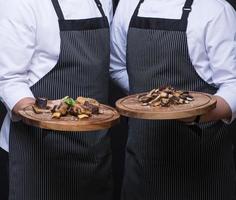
(137, 9)
(58, 10)
(99, 5)
(187, 9)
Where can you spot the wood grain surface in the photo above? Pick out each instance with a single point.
(130, 107)
(107, 119)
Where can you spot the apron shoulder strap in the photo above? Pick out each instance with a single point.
(58, 10)
(137, 8)
(99, 5)
(186, 10)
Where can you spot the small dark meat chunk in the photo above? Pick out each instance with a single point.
(94, 109)
(41, 102)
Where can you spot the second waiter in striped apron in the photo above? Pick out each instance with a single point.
(169, 160)
(49, 165)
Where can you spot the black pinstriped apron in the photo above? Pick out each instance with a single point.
(3, 161)
(48, 165)
(167, 160)
(2, 113)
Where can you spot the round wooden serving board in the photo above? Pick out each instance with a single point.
(130, 107)
(107, 119)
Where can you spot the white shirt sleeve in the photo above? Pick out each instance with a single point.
(221, 50)
(17, 41)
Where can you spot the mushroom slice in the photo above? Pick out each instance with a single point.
(141, 95)
(158, 103)
(181, 101)
(165, 101)
(145, 99)
(190, 96)
(83, 116)
(62, 108)
(155, 100)
(150, 93)
(81, 100)
(56, 115)
(164, 94)
(37, 110)
(189, 99)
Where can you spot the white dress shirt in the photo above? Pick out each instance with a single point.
(30, 45)
(211, 36)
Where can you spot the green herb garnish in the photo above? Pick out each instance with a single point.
(69, 101)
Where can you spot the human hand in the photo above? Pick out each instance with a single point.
(222, 111)
(23, 103)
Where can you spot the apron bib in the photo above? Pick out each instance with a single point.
(167, 160)
(49, 165)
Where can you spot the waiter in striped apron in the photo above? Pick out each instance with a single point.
(169, 160)
(50, 165)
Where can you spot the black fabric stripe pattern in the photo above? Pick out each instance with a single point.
(85, 24)
(147, 58)
(168, 160)
(160, 24)
(173, 161)
(77, 76)
(49, 165)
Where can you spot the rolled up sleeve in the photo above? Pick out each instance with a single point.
(221, 49)
(17, 44)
